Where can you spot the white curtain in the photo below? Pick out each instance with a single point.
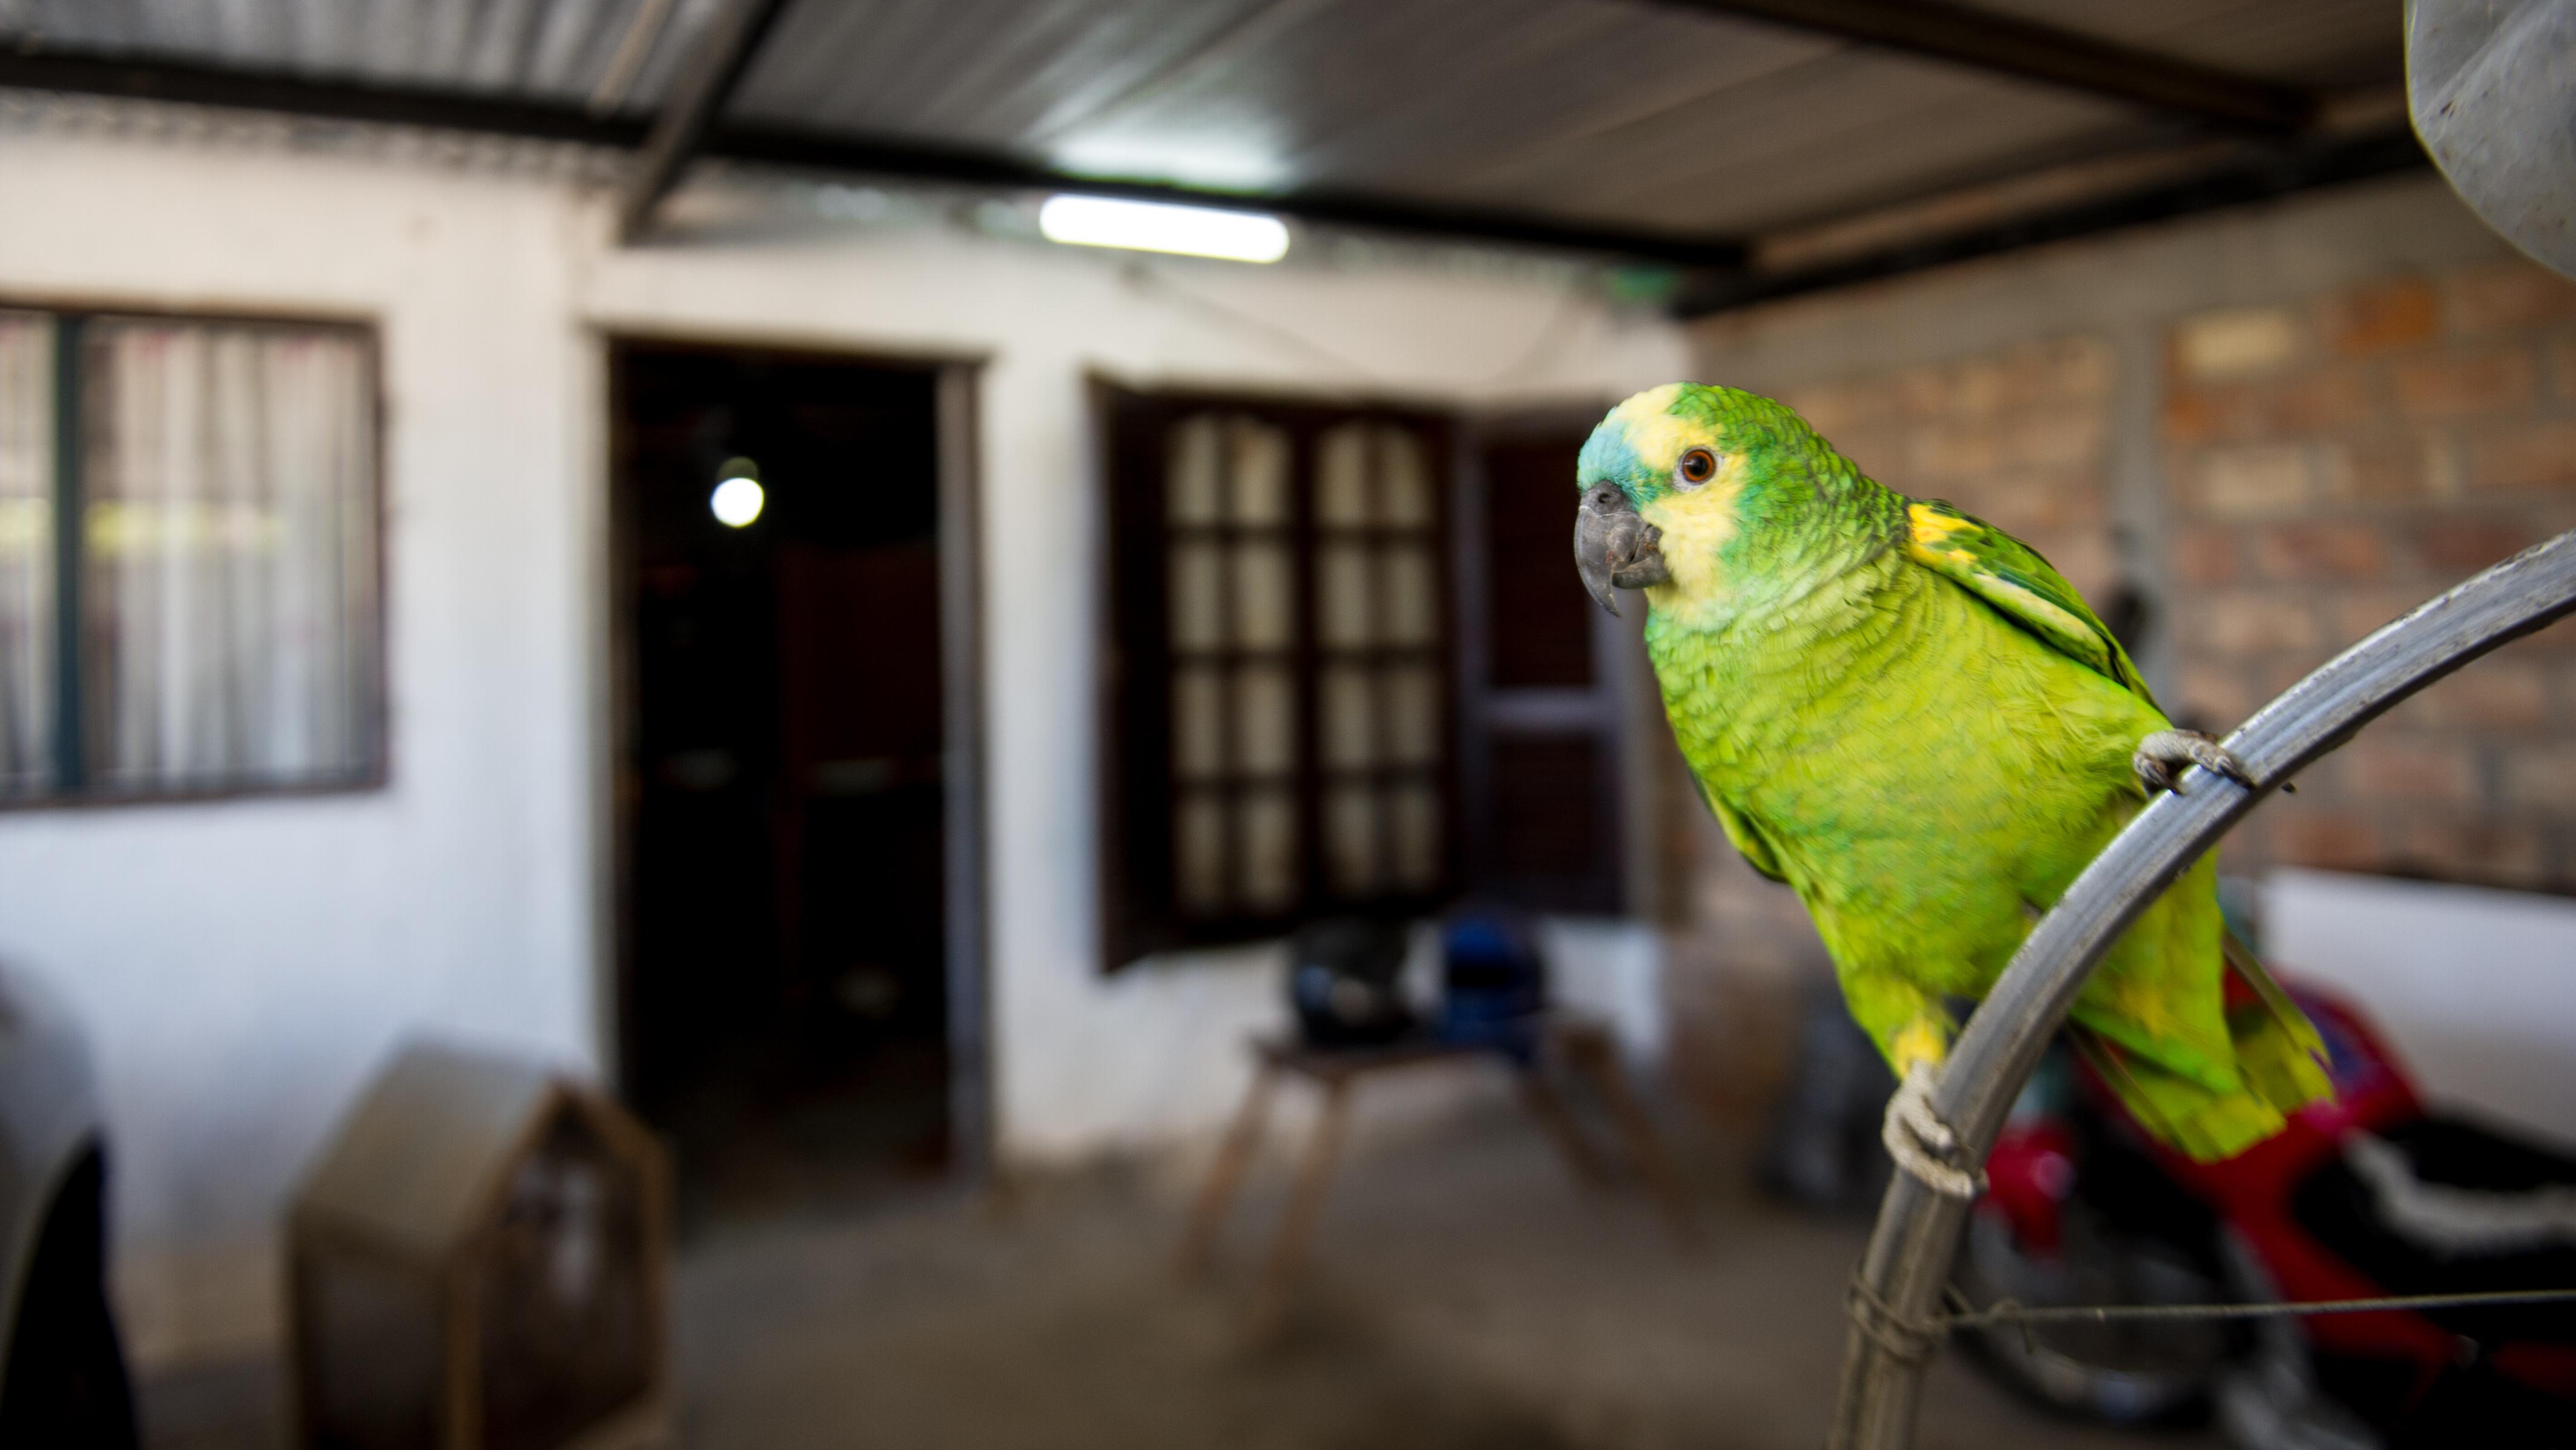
(230, 596)
(26, 553)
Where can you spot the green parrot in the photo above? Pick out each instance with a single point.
(1909, 717)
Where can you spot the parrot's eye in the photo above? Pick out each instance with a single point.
(1697, 466)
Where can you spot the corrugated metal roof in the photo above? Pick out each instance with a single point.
(549, 49)
(1620, 113)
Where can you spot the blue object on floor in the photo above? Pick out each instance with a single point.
(1493, 982)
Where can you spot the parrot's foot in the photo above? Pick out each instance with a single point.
(1921, 1143)
(2162, 756)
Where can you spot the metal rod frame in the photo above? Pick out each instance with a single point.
(1907, 1264)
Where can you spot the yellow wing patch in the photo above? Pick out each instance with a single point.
(1933, 534)
(2011, 576)
(1935, 526)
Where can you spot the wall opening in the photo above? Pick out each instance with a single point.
(797, 988)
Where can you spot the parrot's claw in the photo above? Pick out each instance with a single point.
(1921, 1143)
(2162, 757)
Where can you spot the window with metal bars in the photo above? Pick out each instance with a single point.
(189, 557)
(1279, 730)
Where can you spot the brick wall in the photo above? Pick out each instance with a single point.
(2333, 461)
(2020, 438)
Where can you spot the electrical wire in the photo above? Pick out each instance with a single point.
(2007, 1311)
(1911, 1341)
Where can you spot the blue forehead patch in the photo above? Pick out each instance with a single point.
(1607, 454)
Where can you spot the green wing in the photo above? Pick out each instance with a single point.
(1745, 836)
(2011, 576)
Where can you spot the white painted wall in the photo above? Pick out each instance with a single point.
(2475, 990)
(242, 966)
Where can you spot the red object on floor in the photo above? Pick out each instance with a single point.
(2257, 1197)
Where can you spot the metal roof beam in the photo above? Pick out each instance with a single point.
(705, 81)
(188, 82)
(2272, 171)
(2008, 45)
(830, 151)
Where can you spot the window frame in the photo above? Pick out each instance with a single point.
(1139, 912)
(375, 695)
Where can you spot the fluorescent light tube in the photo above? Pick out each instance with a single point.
(1153, 226)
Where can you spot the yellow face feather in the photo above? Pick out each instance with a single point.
(1696, 525)
(1653, 432)
(1696, 522)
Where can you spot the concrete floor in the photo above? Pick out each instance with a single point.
(1464, 1294)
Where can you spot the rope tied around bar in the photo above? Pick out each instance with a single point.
(1907, 1341)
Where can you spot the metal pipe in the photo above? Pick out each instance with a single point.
(1898, 1285)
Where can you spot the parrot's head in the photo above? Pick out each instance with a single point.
(1688, 486)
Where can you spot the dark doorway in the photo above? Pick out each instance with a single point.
(783, 808)
(1543, 713)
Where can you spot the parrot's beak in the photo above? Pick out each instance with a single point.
(1613, 548)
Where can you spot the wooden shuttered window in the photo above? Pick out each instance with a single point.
(1278, 738)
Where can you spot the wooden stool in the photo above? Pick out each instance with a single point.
(1577, 1043)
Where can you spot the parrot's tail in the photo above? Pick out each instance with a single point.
(2279, 1068)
